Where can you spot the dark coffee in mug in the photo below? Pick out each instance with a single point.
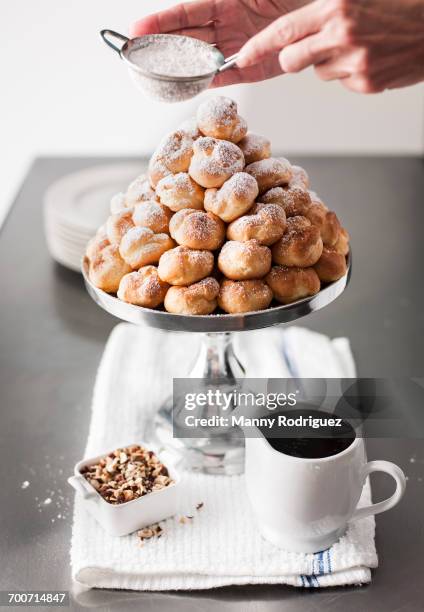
(309, 434)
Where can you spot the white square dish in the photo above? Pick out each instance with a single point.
(127, 517)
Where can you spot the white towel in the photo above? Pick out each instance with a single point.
(220, 545)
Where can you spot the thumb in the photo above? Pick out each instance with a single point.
(283, 31)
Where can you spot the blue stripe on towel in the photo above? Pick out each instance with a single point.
(318, 564)
(321, 562)
(309, 580)
(329, 560)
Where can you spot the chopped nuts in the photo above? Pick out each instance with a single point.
(156, 530)
(150, 532)
(126, 474)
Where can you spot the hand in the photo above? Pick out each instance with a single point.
(370, 45)
(227, 23)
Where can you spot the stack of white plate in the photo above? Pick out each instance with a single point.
(76, 205)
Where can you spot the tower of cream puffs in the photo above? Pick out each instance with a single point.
(217, 223)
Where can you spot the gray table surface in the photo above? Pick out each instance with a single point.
(52, 337)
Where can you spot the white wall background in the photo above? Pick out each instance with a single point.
(64, 92)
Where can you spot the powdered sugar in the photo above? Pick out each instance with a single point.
(175, 57)
(173, 68)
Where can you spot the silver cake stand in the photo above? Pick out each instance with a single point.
(216, 364)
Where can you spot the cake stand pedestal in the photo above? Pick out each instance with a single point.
(216, 363)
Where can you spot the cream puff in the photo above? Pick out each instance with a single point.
(270, 172)
(218, 118)
(118, 224)
(141, 246)
(172, 156)
(97, 243)
(244, 260)
(214, 161)
(295, 200)
(118, 202)
(255, 148)
(299, 177)
(197, 299)
(290, 284)
(106, 268)
(234, 198)
(301, 246)
(325, 219)
(244, 296)
(266, 223)
(153, 215)
(342, 244)
(331, 265)
(139, 191)
(143, 288)
(178, 191)
(184, 266)
(197, 229)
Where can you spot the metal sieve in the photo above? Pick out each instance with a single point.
(161, 86)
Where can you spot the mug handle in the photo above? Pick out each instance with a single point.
(396, 473)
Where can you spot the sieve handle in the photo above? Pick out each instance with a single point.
(106, 33)
(229, 62)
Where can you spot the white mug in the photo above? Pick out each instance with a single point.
(304, 505)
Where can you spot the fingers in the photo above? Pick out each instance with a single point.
(206, 33)
(283, 32)
(181, 16)
(307, 52)
(332, 69)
